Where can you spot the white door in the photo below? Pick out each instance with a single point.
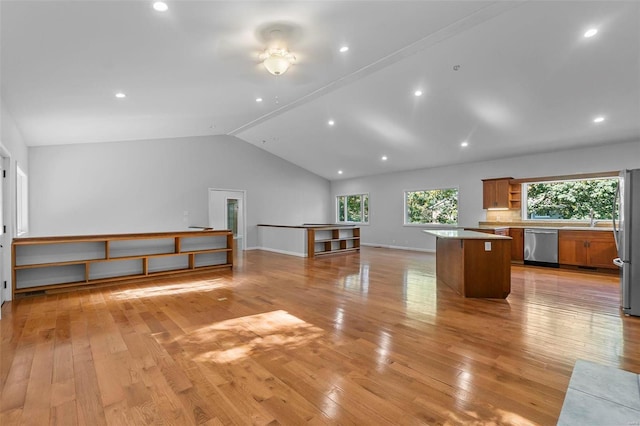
(227, 211)
(3, 235)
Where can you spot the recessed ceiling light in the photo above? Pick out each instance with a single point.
(591, 32)
(331, 122)
(384, 158)
(160, 6)
(339, 172)
(464, 144)
(258, 99)
(344, 49)
(120, 95)
(418, 93)
(598, 119)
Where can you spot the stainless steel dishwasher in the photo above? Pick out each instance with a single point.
(541, 247)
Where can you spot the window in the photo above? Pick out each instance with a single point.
(22, 202)
(432, 206)
(578, 199)
(353, 208)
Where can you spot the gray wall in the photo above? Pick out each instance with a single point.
(12, 139)
(145, 186)
(386, 191)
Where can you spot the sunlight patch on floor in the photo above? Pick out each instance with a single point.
(169, 289)
(235, 339)
(420, 293)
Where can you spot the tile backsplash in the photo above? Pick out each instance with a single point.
(503, 215)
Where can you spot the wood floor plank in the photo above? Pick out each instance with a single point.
(64, 414)
(369, 338)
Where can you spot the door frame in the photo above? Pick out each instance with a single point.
(8, 219)
(243, 210)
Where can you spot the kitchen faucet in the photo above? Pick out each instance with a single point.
(592, 218)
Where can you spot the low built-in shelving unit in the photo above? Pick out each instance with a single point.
(46, 263)
(309, 240)
(332, 240)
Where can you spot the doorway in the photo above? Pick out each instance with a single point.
(5, 226)
(227, 211)
(3, 238)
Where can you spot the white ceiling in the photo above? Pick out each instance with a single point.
(526, 80)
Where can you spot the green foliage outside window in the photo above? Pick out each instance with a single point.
(341, 210)
(571, 200)
(432, 206)
(353, 208)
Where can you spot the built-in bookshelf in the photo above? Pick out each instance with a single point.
(332, 240)
(47, 263)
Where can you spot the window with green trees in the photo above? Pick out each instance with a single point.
(581, 199)
(353, 208)
(432, 206)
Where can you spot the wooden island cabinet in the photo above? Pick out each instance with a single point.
(517, 239)
(474, 264)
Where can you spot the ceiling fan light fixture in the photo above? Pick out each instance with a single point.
(277, 61)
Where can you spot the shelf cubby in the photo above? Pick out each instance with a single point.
(59, 253)
(112, 269)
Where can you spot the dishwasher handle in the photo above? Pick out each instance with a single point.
(541, 231)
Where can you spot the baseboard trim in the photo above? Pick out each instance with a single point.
(398, 247)
(289, 253)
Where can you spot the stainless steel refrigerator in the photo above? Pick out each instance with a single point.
(626, 230)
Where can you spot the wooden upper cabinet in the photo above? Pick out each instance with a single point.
(501, 193)
(495, 193)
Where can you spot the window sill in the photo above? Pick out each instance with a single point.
(432, 225)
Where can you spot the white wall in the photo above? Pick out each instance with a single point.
(13, 147)
(12, 139)
(387, 191)
(145, 186)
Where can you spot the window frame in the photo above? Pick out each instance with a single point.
(524, 188)
(362, 210)
(22, 202)
(431, 224)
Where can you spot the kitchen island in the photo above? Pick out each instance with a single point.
(474, 264)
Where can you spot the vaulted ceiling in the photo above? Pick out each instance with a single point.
(506, 77)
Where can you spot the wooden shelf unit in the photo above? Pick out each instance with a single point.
(515, 195)
(48, 263)
(332, 240)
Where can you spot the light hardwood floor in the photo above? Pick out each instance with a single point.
(367, 338)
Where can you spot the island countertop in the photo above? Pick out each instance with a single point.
(460, 234)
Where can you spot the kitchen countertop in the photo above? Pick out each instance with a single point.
(317, 226)
(536, 225)
(459, 234)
